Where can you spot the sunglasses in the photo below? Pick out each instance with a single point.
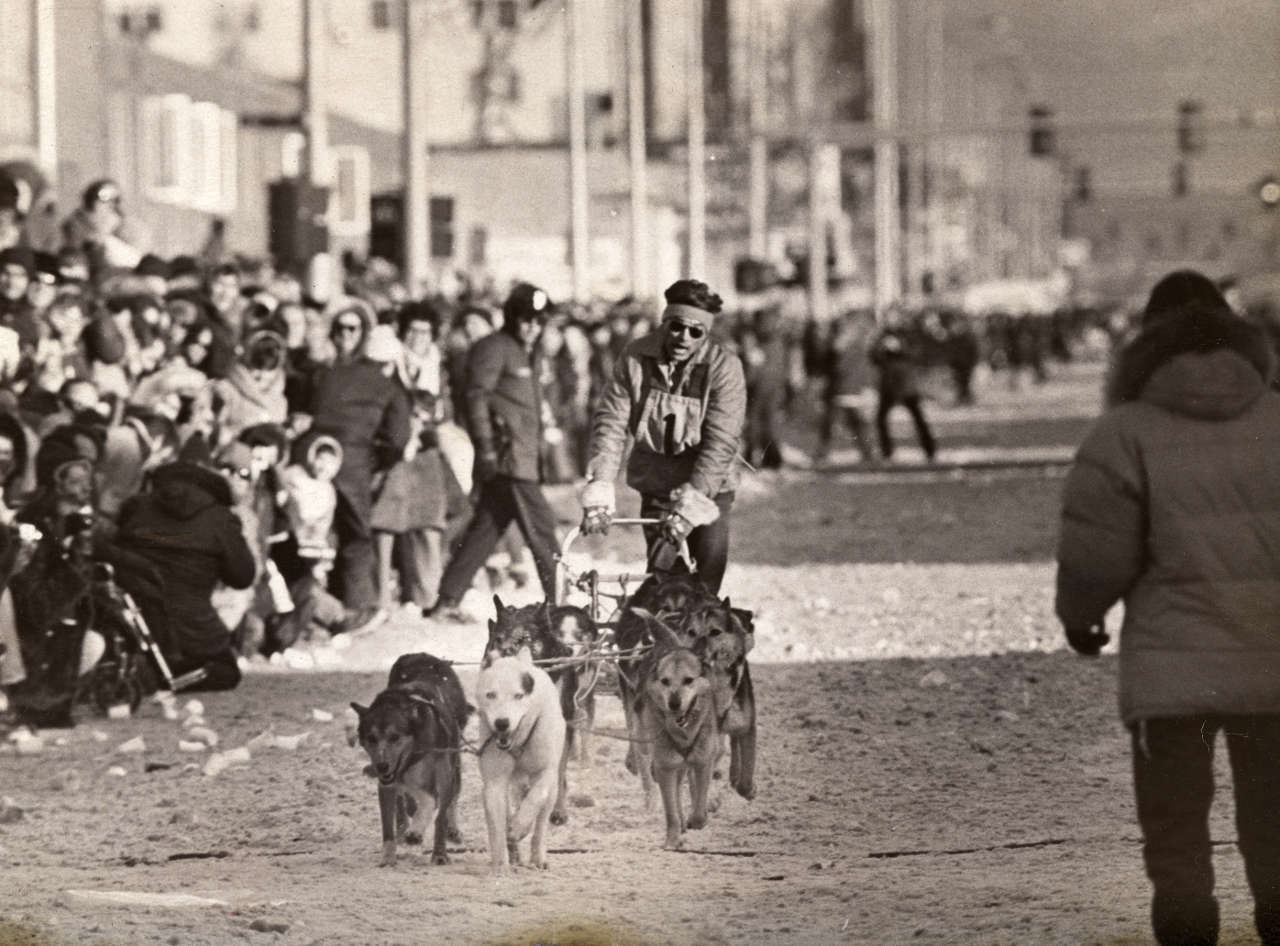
(684, 328)
(241, 472)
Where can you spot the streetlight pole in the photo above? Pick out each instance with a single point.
(697, 149)
(758, 155)
(314, 109)
(884, 70)
(580, 245)
(637, 151)
(413, 144)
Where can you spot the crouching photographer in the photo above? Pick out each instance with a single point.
(51, 586)
(184, 529)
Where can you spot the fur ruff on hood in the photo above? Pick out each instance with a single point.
(1188, 330)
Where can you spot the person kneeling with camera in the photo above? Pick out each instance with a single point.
(185, 529)
(52, 544)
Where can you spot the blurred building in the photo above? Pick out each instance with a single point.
(192, 105)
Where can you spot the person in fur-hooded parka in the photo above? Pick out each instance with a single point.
(1173, 506)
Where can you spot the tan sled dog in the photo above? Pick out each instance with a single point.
(678, 723)
(522, 733)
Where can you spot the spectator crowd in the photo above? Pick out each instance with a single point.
(255, 467)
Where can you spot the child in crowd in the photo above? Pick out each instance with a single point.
(306, 557)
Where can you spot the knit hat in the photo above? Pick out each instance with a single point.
(19, 256)
(382, 344)
(152, 265)
(526, 302)
(45, 268)
(265, 435)
(62, 446)
(1182, 290)
(237, 455)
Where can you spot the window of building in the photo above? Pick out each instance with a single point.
(140, 20)
(478, 246)
(292, 146)
(380, 14)
(188, 152)
(442, 233)
(349, 199)
(504, 14)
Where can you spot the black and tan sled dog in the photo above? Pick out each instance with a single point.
(413, 732)
(680, 735)
(721, 636)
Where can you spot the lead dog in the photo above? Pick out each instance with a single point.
(522, 732)
(680, 736)
(413, 733)
(551, 632)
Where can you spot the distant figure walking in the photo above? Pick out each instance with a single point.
(898, 383)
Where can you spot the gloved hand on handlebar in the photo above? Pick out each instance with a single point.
(689, 509)
(598, 506)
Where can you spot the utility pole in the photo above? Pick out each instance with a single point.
(580, 245)
(758, 155)
(882, 30)
(637, 150)
(315, 114)
(46, 89)
(697, 133)
(413, 143)
(819, 300)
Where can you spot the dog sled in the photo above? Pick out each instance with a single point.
(633, 611)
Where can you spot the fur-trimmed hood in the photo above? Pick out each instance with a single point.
(1196, 361)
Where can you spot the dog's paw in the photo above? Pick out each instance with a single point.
(559, 816)
(713, 804)
(453, 835)
(746, 789)
(439, 858)
(388, 860)
(696, 822)
(673, 843)
(412, 837)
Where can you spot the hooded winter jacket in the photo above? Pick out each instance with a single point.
(1173, 505)
(185, 528)
(686, 419)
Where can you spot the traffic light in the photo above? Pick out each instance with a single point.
(1042, 132)
(1181, 179)
(752, 275)
(1083, 185)
(1190, 127)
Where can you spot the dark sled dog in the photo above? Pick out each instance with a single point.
(413, 733)
(680, 737)
(721, 635)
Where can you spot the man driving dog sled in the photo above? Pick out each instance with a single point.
(682, 396)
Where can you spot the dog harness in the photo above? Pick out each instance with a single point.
(513, 751)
